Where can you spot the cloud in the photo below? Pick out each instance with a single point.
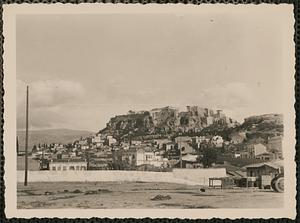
(55, 92)
(47, 101)
(236, 99)
(43, 118)
(231, 95)
(50, 93)
(65, 104)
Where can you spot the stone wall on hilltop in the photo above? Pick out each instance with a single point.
(165, 120)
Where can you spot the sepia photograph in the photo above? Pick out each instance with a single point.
(150, 108)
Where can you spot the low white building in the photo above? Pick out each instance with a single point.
(148, 158)
(97, 139)
(256, 149)
(138, 157)
(161, 142)
(83, 142)
(136, 142)
(84, 147)
(111, 140)
(183, 139)
(190, 158)
(68, 165)
(209, 120)
(198, 139)
(169, 146)
(217, 141)
(241, 155)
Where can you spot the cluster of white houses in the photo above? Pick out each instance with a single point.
(270, 151)
(103, 152)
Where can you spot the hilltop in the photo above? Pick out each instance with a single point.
(48, 136)
(166, 121)
(262, 126)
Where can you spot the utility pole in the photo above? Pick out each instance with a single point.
(17, 146)
(180, 148)
(26, 140)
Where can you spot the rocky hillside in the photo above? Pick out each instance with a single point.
(123, 125)
(166, 120)
(259, 126)
(263, 126)
(194, 121)
(276, 119)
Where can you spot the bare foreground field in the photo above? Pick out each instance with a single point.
(140, 195)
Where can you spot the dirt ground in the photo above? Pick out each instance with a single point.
(140, 195)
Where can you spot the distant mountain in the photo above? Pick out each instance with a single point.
(48, 136)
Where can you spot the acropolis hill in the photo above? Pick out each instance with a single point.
(167, 120)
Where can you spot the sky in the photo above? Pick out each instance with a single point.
(84, 69)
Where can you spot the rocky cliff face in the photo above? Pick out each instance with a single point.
(165, 120)
(191, 121)
(128, 124)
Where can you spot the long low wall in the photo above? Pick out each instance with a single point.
(182, 176)
(200, 176)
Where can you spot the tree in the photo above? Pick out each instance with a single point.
(209, 157)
